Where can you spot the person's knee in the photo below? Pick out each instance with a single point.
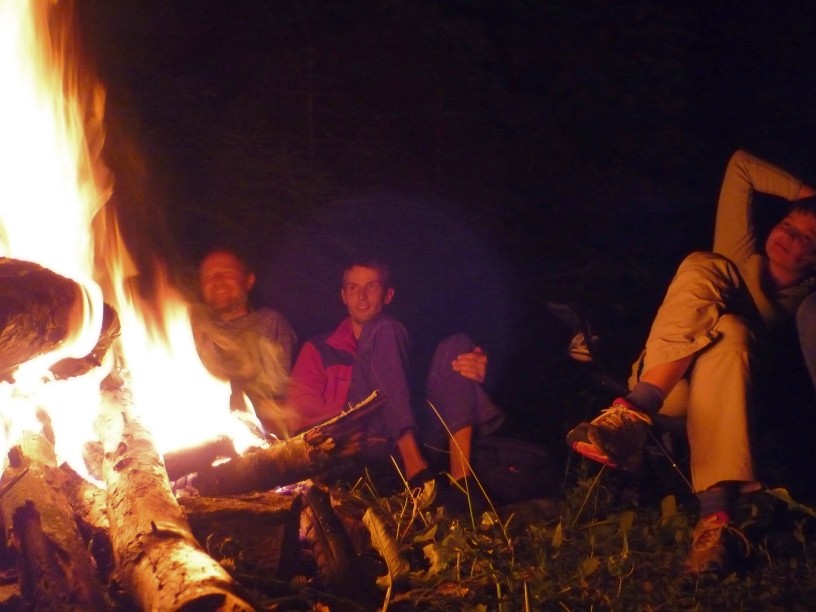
(708, 265)
(455, 344)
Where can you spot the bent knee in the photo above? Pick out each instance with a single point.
(455, 344)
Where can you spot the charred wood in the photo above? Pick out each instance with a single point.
(68, 368)
(304, 456)
(186, 461)
(331, 546)
(253, 535)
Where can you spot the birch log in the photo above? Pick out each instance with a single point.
(304, 456)
(158, 560)
(56, 571)
(39, 310)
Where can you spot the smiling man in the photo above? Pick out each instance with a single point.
(252, 348)
(369, 351)
(697, 359)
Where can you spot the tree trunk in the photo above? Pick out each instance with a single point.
(56, 571)
(304, 456)
(157, 557)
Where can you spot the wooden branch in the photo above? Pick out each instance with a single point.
(56, 572)
(330, 543)
(157, 558)
(296, 459)
(70, 367)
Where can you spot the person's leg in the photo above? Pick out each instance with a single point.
(717, 425)
(706, 286)
(460, 406)
(718, 408)
(381, 365)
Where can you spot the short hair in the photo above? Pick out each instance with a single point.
(805, 205)
(227, 250)
(372, 263)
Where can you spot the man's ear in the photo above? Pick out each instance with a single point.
(250, 281)
(389, 295)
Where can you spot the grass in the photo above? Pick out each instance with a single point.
(606, 544)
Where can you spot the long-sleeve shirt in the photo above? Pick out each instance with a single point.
(334, 370)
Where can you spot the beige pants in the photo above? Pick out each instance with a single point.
(708, 313)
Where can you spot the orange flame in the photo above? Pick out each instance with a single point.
(53, 190)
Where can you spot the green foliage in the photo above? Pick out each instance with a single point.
(594, 553)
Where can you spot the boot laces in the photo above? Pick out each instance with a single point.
(618, 416)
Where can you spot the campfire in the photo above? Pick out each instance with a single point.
(108, 415)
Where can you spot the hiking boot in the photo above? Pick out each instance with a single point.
(615, 437)
(714, 547)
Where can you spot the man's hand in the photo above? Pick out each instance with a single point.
(472, 365)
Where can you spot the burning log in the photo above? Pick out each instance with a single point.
(68, 368)
(56, 572)
(39, 309)
(90, 511)
(288, 461)
(157, 557)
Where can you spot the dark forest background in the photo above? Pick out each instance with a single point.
(499, 154)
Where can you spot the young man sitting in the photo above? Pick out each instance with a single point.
(369, 351)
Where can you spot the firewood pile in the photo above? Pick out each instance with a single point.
(180, 534)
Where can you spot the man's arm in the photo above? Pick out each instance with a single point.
(734, 234)
(277, 328)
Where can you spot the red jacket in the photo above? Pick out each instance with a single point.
(319, 386)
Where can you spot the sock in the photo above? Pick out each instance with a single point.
(647, 397)
(720, 500)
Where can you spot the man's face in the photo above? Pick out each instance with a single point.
(791, 245)
(363, 294)
(225, 285)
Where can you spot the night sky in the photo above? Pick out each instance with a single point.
(498, 154)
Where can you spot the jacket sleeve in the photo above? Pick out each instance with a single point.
(734, 232)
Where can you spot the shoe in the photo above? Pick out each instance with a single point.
(616, 437)
(714, 546)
